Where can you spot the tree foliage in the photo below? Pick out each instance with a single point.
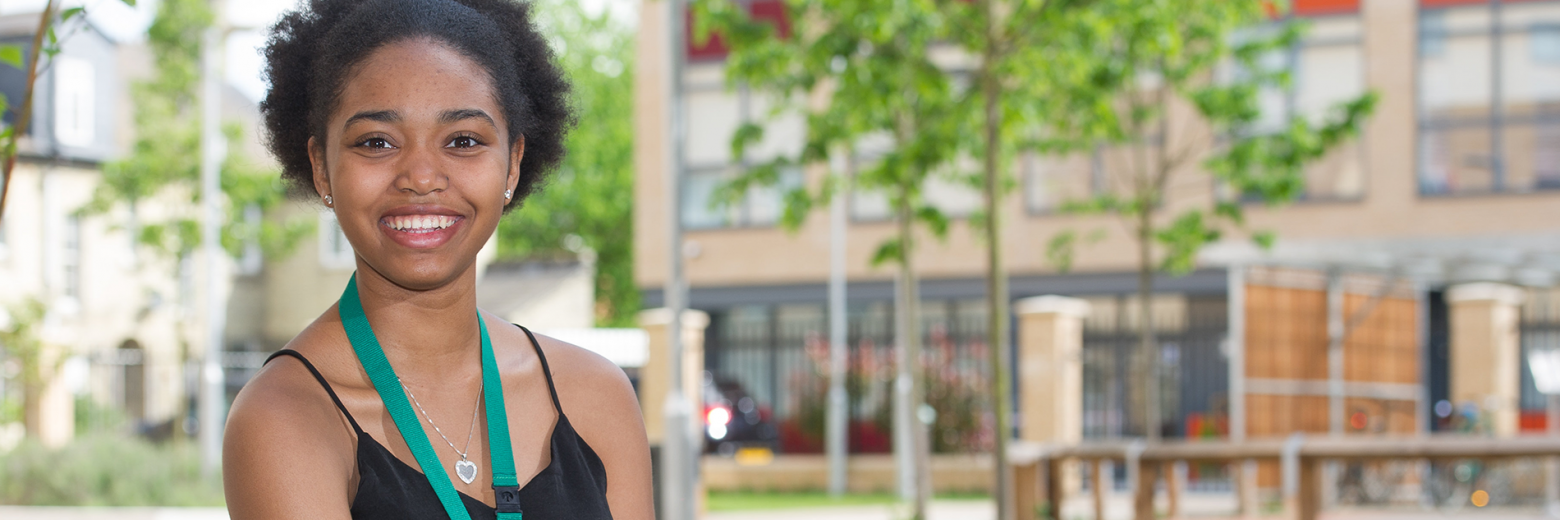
(163, 160)
(591, 195)
(1209, 55)
(878, 68)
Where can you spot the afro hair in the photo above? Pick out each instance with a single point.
(313, 49)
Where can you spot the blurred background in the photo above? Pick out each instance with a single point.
(1210, 221)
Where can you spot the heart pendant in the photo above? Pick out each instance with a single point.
(466, 470)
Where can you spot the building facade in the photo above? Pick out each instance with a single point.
(1450, 183)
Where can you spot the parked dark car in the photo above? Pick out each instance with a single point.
(733, 419)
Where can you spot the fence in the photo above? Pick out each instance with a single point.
(1452, 471)
(778, 356)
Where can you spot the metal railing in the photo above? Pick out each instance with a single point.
(1039, 467)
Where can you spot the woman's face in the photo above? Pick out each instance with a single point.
(416, 160)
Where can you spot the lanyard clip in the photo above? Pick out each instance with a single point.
(507, 498)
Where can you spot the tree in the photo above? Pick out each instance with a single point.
(1205, 55)
(591, 195)
(160, 163)
(855, 52)
(45, 42)
(1031, 60)
(20, 340)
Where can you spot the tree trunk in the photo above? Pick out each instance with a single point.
(996, 276)
(25, 117)
(1148, 344)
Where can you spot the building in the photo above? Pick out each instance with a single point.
(1444, 211)
(119, 314)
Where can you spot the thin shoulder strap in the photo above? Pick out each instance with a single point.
(317, 377)
(545, 371)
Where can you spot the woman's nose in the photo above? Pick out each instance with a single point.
(420, 171)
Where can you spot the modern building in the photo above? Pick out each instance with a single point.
(1433, 240)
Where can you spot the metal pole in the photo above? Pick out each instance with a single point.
(904, 452)
(1497, 111)
(213, 146)
(837, 441)
(1335, 412)
(1552, 465)
(677, 475)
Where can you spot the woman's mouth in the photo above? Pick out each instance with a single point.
(421, 231)
(420, 223)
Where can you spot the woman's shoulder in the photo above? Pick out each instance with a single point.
(285, 437)
(594, 392)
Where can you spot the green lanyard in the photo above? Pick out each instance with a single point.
(506, 488)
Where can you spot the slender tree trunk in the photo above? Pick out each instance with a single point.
(996, 275)
(25, 117)
(1148, 344)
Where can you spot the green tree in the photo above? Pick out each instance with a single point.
(1206, 55)
(592, 194)
(877, 69)
(20, 340)
(45, 42)
(162, 165)
(1031, 92)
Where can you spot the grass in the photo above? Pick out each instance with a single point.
(757, 501)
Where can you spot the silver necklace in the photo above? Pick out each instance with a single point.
(464, 468)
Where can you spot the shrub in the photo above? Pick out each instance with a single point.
(107, 470)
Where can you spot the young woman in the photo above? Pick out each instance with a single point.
(419, 123)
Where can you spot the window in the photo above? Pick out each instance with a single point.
(335, 251)
(713, 115)
(1489, 98)
(75, 110)
(1545, 43)
(763, 205)
(251, 259)
(70, 260)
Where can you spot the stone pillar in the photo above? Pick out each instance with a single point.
(1485, 350)
(56, 414)
(1050, 376)
(654, 378)
(653, 383)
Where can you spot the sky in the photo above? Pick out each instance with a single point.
(249, 18)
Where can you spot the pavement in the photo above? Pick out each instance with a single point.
(1199, 506)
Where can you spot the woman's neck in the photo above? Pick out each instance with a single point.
(428, 335)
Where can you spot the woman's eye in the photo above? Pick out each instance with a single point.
(464, 141)
(376, 143)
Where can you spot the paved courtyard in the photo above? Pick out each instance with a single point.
(1209, 507)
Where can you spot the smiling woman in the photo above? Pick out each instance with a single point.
(419, 123)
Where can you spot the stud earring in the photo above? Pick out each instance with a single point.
(328, 200)
(507, 194)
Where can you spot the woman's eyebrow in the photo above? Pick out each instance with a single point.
(382, 116)
(452, 116)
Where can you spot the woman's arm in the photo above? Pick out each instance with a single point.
(288, 452)
(602, 406)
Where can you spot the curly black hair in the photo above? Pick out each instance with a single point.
(312, 50)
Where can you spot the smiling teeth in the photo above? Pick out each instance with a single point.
(420, 223)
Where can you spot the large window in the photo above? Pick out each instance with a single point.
(1327, 68)
(1489, 98)
(714, 113)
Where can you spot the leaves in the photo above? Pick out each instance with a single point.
(592, 193)
(11, 54)
(161, 162)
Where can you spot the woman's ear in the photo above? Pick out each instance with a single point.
(317, 163)
(516, 152)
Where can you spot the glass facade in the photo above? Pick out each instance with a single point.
(1489, 98)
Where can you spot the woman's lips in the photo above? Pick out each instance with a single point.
(421, 231)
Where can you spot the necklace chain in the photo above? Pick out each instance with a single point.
(475, 408)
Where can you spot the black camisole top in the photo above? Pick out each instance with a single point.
(572, 486)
